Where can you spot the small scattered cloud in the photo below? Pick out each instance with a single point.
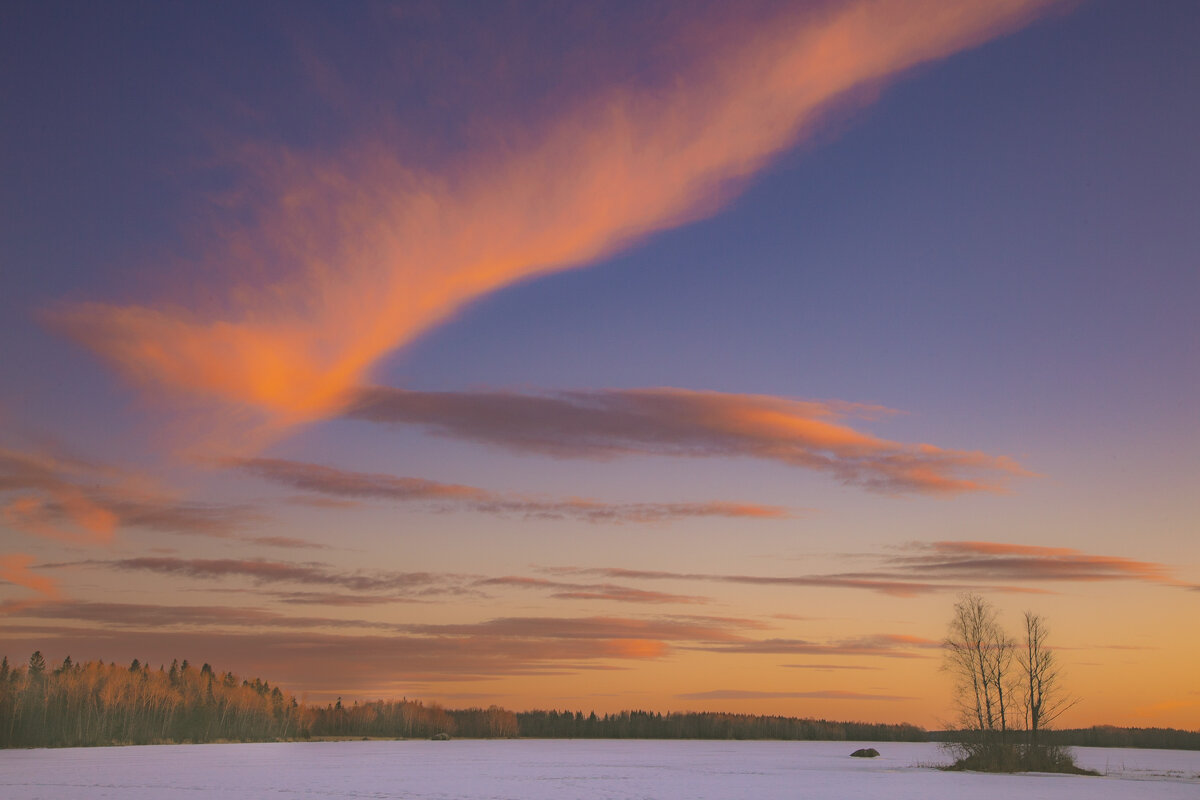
(439, 496)
(678, 422)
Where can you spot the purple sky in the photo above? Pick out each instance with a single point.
(632, 337)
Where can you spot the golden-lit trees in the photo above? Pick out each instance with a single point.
(97, 703)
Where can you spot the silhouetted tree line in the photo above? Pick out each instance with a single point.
(406, 719)
(705, 725)
(95, 703)
(1107, 736)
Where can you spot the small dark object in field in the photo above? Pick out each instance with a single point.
(866, 752)
(440, 737)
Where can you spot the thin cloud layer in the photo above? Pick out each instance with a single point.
(138, 615)
(885, 584)
(361, 252)
(1013, 562)
(885, 645)
(310, 573)
(564, 590)
(456, 497)
(326, 585)
(930, 567)
(828, 694)
(680, 422)
(74, 500)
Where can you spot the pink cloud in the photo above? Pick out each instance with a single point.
(679, 422)
(360, 252)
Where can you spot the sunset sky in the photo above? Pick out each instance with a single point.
(680, 356)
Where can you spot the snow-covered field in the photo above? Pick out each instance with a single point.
(563, 770)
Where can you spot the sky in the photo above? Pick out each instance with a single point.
(669, 356)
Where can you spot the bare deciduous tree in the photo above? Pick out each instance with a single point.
(995, 680)
(1044, 697)
(980, 655)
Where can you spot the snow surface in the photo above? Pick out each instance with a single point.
(531, 769)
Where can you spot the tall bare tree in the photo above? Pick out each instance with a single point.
(980, 656)
(1044, 698)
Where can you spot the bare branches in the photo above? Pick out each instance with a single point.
(997, 679)
(980, 655)
(1044, 698)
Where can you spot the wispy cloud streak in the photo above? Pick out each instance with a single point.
(362, 252)
(889, 585)
(79, 501)
(886, 645)
(15, 570)
(326, 585)
(139, 615)
(456, 497)
(266, 572)
(564, 590)
(679, 422)
(929, 567)
(827, 694)
(1014, 562)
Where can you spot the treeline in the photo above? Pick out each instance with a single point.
(77, 705)
(1111, 736)
(1107, 736)
(406, 719)
(705, 725)
(94, 703)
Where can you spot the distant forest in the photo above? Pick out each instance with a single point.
(94, 703)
